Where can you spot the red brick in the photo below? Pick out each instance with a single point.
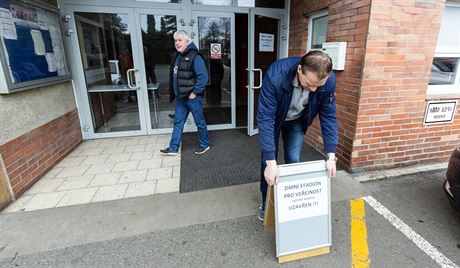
(27, 165)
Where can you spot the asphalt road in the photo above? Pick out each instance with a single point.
(236, 238)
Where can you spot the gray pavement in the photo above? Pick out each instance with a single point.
(219, 228)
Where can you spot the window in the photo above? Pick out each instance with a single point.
(443, 71)
(164, 1)
(241, 3)
(444, 78)
(317, 30)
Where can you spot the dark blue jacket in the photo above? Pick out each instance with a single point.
(275, 99)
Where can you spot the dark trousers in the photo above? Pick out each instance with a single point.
(292, 135)
(456, 192)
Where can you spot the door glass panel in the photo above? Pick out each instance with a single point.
(261, 3)
(158, 45)
(242, 3)
(266, 51)
(166, 1)
(213, 2)
(214, 36)
(106, 54)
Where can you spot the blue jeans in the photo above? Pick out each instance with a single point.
(183, 108)
(292, 135)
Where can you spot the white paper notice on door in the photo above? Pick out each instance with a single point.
(39, 44)
(266, 42)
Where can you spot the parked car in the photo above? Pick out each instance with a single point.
(452, 182)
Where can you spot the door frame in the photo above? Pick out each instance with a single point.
(185, 11)
(143, 79)
(195, 13)
(282, 52)
(80, 87)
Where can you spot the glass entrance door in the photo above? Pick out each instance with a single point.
(212, 33)
(121, 58)
(266, 45)
(156, 46)
(108, 67)
(124, 56)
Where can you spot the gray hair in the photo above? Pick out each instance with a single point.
(181, 34)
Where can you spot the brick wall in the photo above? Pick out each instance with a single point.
(30, 156)
(347, 22)
(298, 24)
(400, 47)
(381, 95)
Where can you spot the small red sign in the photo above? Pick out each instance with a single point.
(216, 52)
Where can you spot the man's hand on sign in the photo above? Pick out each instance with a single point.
(271, 172)
(331, 165)
(331, 168)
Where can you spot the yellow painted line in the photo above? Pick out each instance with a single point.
(359, 249)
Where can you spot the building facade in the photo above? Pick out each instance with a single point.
(401, 56)
(390, 76)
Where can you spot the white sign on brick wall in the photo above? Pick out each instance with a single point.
(439, 112)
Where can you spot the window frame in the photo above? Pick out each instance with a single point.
(434, 91)
(313, 16)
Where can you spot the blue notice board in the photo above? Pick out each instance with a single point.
(32, 51)
(25, 64)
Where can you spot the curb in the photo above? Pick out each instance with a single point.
(390, 173)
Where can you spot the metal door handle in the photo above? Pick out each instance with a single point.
(130, 82)
(247, 86)
(260, 78)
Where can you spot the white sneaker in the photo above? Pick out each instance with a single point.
(261, 215)
(202, 150)
(167, 151)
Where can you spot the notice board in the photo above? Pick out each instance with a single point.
(31, 47)
(302, 208)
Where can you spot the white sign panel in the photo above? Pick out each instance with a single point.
(216, 52)
(302, 207)
(440, 112)
(302, 198)
(266, 42)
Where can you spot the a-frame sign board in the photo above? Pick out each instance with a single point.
(299, 209)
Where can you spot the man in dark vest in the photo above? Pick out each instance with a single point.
(188, 79)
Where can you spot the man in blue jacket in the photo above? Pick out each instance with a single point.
(188, 79)
(294, 91)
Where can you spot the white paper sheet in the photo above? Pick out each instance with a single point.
(302, 198)
(42, 17)
(59, 58)
(7, 27)
(39, 44)
(50, 59)
(266, 42)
